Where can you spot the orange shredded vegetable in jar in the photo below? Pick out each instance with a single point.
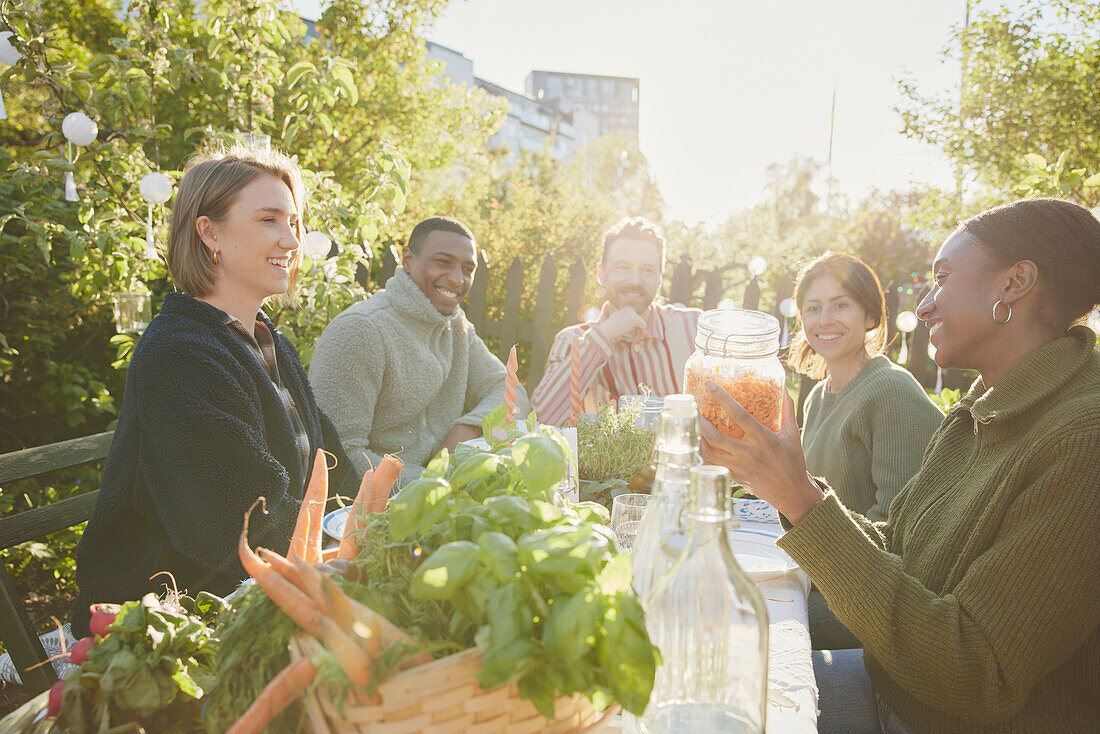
(761, 398)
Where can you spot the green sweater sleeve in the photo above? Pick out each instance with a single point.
(898, 434)
(867, 440)
(1018, 612)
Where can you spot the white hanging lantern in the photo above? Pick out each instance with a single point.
(9, 56)
(788, 308)
(70, 187)
(79, 129)
(757, 265)
(155, 188)
(907, 321)
(8, 53)
(316, 245)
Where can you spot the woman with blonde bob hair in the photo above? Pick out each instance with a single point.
(217, 409)
(868, 420)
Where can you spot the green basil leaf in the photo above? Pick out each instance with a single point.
(447, 570)
(418, 506)
(541, 463)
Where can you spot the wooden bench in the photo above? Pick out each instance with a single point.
(16, 630)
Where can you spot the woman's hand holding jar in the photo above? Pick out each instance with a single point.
(770, 463)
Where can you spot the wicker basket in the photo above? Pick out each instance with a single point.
(444, 697)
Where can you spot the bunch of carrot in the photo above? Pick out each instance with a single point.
(351, 632)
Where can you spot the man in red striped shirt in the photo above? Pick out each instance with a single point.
(633, 342)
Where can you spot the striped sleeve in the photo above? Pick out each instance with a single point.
(551, 397)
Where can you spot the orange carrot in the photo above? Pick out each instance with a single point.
(385, 477)
(311, 582)
(356, 518)
(276, 696)
(300, 608)
(306, 540)
(288, 570)
(338, 606)
(374, 492)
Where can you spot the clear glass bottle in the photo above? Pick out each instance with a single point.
(711, 626)
(676, 451)
(738, 349)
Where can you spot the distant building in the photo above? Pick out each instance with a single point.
(531, 122)
(613, 100)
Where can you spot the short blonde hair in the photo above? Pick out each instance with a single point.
(209, 186)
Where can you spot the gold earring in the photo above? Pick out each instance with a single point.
(215, 257)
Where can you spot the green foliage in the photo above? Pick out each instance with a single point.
(945, 399)
(1053, 179)
(611, 446)
(537, 585)
(153, 667)
(164, 83)
(1030, 87)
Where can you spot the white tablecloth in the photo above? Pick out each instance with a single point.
(792, 690)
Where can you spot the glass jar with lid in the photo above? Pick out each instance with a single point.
(738, 349)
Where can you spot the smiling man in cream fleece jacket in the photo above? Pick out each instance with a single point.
(403, 371)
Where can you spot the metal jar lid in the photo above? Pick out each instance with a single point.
(737, 332)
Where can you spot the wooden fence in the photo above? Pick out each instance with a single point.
(535, 333)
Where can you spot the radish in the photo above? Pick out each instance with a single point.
(53, 708)
(103, 616)
(80, 650)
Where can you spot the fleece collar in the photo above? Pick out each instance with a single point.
(181, 304)
(407, 297)
(1034, 379)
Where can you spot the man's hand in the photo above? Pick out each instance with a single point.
(459, 433)
(772, 465)
(621, 323)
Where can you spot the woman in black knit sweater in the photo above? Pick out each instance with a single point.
(217, 409)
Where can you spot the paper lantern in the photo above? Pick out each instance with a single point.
(316, 245)
(727, 303)
(155, 187)
(788, 308)
(79, 129)
(757, 265)
(8, 54)
(907, 321)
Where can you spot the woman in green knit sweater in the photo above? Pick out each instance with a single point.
(867, 421)
(978, 601)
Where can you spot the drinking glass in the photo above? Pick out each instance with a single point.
(627, 511)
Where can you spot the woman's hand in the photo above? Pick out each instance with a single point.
(771, 464)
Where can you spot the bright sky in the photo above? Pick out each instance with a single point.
(729, 86)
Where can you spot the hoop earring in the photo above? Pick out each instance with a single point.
(1007, 318)
(215, 257)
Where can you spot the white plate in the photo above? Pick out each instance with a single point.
(478, 443)
(758, 555)
(334, 523)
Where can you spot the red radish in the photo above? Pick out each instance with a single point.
(80, 650)
(53, 708)
(103, 616)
